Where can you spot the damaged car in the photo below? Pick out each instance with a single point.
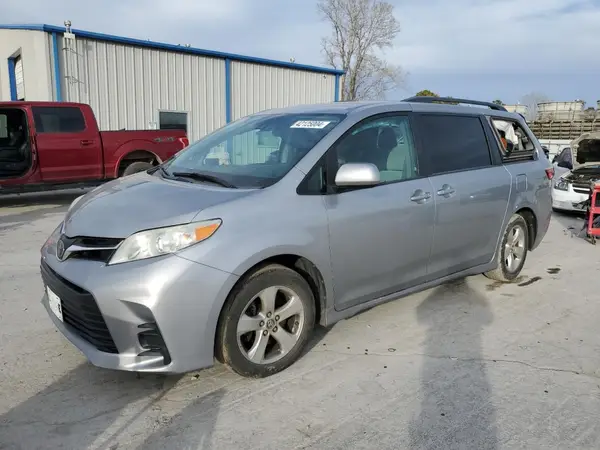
(580, 167)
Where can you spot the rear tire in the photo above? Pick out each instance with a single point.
(266, 322)
(512, 252)
(136, 167)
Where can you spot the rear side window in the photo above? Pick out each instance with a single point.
(515, 143)
(58, 119)
(453, 143)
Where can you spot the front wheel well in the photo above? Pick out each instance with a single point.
(137, 156)
(305, 268)
(531, 220)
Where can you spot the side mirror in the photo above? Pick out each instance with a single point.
(565, 165)
(357, 174)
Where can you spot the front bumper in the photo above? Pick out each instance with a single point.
(158, 315)
(564, 200)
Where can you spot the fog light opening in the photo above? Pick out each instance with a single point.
(152, 342)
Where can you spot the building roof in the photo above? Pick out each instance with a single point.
(171, 47)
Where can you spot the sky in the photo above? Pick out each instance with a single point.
(478, 49)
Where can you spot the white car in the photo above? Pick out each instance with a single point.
(571, 185)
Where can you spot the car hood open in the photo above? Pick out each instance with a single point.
(588, 148)
(127, 205)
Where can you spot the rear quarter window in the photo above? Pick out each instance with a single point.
(514, 142)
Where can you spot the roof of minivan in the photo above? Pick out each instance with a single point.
(349, 107)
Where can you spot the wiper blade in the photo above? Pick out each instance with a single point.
(163, 171)
(204, 177)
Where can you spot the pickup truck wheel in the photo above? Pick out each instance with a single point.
(512, 252)
(136, 167)
(266, 322)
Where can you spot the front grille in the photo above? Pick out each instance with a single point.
(90, 248)
(80, 311)
(581, 189)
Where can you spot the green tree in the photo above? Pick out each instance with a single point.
(498, 102)
(426, 93)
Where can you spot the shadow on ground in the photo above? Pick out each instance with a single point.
(82, 408)
(456, 394)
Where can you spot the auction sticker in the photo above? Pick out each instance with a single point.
(314, 124)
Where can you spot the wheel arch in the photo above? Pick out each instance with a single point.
(300, 264)
(138, 155)
(532, 224)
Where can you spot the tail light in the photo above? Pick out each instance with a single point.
(550, 173)
(184, 142)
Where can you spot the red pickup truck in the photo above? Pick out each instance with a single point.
(57, 145)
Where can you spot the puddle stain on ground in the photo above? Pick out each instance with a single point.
(530, 281)
(553, 270)
(496, 284)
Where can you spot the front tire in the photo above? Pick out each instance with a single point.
(266, 322)
(512, 252)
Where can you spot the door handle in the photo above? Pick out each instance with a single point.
(446, 191)
(86, 142)
(420, 197)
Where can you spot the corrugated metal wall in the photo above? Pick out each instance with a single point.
(257, 87)
(126, 86)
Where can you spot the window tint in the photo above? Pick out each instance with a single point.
(58, 120)
(454, 143)
(515, 144)
(386, 142)
(168, 120)
(568, 155)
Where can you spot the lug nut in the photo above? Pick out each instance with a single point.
(275, 330)
(269, 314)
(262, 324)
(265, 333)
(276, 317)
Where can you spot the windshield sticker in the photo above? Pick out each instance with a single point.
(314, 124)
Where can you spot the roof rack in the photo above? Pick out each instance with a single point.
(425, 99)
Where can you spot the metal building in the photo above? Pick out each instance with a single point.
(138, 84)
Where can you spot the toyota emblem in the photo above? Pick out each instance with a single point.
(60, 249)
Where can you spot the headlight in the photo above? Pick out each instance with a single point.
(53, 239)
(162, 241)
(561, 185)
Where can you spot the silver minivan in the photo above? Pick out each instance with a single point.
(237, 247)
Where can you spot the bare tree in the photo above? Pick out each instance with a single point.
(362, 30)
(531, 100)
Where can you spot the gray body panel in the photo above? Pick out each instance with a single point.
(368, 245)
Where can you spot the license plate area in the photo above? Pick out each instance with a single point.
(55, 304)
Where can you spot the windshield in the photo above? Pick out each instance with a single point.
(253, 152)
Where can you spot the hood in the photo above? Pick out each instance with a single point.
(127, 205)
(587, 148)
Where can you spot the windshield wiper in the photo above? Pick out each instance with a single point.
(204, 177)
(163, 171)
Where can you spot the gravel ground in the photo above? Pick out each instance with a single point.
(470, 365)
